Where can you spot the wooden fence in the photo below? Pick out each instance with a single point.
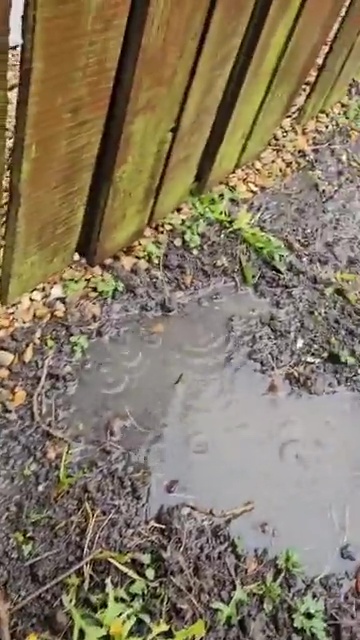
(124, 104)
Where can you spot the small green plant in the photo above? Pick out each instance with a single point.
(353, 113)
(152, 252)
(288, 561)
(74, 286)
(228, 614)
(309, 617)
(338, 354)
(67, 479)
(25, 543)
(79, 345)
(106, 285)
(50, 343)
(266, 246)
(213, 206)
(270, 591)
(123, 614)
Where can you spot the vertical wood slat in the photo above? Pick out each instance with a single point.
(172, 34)
(320, 96)
(314, 26)
(225, 34)
(349, 71)
(270, 44)
(68, 61)
(4, 53)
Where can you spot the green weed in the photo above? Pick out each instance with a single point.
(229, 614)
(288, 561)
(270, 592)
(353, 114)
(122, 613)
(266, 246)
(79, 345)
(309, 617)
(106, 285)
(67, 479)
(25, 542)
(338, 354)
(74, 286)
(153, 252)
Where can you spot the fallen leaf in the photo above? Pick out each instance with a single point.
(188, 278)
(28, 353)
(251, 564)
(5, 323)
(53, 451)
(6, 358)
(275, 385)
(18, 398)
(157, 328)
(127, 262)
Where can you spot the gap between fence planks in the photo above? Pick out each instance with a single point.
(168, 53)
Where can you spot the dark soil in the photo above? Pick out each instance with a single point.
(311, 339)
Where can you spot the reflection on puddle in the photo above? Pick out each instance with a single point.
(220, 440)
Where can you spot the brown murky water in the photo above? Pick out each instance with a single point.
(208, 424)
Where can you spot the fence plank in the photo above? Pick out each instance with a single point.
(171, 37)
(349, 71)
(333, 63)
(69, 58)
(313, 27)
(4, 53)
(271, 42)
(225, 34)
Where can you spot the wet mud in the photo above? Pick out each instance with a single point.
(272, 380)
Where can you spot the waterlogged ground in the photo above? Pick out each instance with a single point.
(172, 392)
(173, 379)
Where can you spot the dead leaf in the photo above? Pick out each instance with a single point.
(275, 385)
(127, 262)
(28, 353)
(251, 564)
(5, 323)
(6, 358)
(18, 398)
(188, 279)
(53, 451)
(157, 328)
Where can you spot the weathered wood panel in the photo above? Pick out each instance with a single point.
(313, 27)
(270, 44)
(4, 48)
(171, 38)
(349, 71)
(226, 31)
(69, 58)
(320, 96)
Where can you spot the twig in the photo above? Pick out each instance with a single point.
(32, 561)
(199, 609)
(38, 390)
(228, 515)
(39, 592)
(92, 520)
(4, 617)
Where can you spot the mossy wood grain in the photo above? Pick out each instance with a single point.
(168, 52)
(226, 31)
(68, 61)
(338, 67)
(313, 27)
(270, 44)
(4, 48)
(350, 70)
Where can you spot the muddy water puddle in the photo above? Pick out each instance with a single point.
(172, 390)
